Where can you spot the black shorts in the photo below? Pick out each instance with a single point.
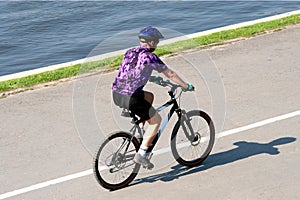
(135, 103)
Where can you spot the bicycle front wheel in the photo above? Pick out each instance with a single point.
(113, 163)
(193, 138)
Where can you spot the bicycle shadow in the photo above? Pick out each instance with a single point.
(243, 150)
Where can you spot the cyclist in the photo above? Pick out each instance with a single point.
(134, 72)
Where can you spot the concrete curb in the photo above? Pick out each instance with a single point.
(120, 52)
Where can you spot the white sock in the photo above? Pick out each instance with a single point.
(142, 151)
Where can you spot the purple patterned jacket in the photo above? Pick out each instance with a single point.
(135, 70)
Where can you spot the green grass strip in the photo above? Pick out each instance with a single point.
(114, 62)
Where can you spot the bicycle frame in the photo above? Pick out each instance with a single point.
(174, 108)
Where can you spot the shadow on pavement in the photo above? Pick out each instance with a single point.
(243, 150)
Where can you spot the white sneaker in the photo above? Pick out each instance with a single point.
(142, 161)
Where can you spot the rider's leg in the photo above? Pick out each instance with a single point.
(154, 123)
(151, 130)
(149, 135)
(148, 96)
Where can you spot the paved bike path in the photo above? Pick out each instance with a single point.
(40, 140)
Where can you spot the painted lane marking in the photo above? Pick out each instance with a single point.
(258, 124)
(46, 184)
(158, 152)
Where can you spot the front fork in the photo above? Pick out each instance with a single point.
(187, 127)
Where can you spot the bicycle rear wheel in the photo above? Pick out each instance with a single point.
(113, 164)
(192, 144)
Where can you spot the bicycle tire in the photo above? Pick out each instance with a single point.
(193, 153)
(116, 161)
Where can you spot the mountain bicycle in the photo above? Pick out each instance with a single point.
(192, 140)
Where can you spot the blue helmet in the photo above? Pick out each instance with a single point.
(150, 34)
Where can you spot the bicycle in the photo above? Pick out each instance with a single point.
(113, 164)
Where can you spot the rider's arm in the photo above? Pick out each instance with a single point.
(170, 74)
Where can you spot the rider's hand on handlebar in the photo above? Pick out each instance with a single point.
(189, 88)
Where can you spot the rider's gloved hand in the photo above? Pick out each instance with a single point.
(190, 88)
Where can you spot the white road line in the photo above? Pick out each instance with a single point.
(258, 124)
(46, 184)
(160, 151)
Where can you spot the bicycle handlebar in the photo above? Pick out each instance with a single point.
(160, 81)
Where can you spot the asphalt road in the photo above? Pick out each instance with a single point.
(49, 133)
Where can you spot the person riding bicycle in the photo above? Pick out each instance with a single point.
(127, 88)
